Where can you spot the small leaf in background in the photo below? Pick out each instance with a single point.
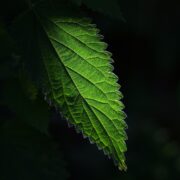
(8, 64)
(28, 86)
(33, 112)
(27, 154)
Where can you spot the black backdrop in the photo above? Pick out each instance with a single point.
(146, 51)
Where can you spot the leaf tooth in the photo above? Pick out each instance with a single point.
(69, 124)
(111, 60)
(77, 130)
(108, 53)
(91, 141)
(105, 152)
(111, 67)
(96, 30)
(101, 37)
(84, 136)
(122, 166)
(94, 25)
(49, 102)
(99, 148)
(45, 98)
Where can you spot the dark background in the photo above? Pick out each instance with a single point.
(146, 51)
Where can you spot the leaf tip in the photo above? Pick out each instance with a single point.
(122, 166)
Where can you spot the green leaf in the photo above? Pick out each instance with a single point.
(81, 83)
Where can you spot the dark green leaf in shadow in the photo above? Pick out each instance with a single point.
(33, 112)
(26, 154)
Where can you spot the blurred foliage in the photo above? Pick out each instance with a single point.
(8, 60)
(33, 112)
(107, 7)
(25, 153)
